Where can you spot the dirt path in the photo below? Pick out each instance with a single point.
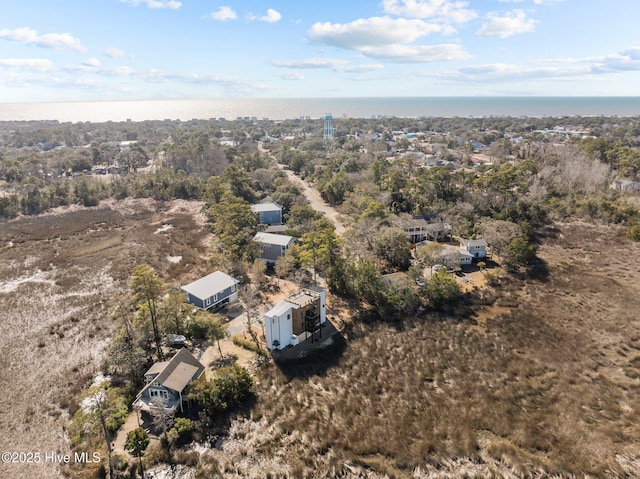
(317, 203)
(313, 195)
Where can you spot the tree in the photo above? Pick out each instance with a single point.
(180, 432)
(521, 252)
(317, 246)
(174, 312)
(228, 388)
(429, 254)
(235, 225)
(147, 289)
(301, 217)
(249, 295)
(137, 442)
(442, 290)
(162, 417)
(104, 412)
(217, 331)
(392, 247)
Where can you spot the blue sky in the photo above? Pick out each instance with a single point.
(75, 50)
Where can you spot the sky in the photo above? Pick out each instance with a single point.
(86, 50)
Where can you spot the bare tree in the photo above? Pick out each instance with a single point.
(162, 417)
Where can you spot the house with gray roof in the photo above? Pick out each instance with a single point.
(268, 213)
(272, 246)
(168, 382)
(476, 247)
(212, 292)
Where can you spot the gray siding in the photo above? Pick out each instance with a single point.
(211, 301)
(271, 252)
(271, 217)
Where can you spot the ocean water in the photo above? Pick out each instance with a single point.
(287, 108)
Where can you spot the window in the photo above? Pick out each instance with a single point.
(207, 302)
(154, 393)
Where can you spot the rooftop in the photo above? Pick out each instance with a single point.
(210, 284)
(270, 238)
(262, 207)
(303, 297)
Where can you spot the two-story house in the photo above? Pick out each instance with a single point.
(212, 292)
(167, 382)
(476, 247)
(272, 246)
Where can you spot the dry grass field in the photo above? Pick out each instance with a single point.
(544, 383)
(539, 378)
(58, 275)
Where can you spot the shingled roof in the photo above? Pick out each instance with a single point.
(177, 373)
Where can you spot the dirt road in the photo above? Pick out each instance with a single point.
(317, 203)
(313, 195)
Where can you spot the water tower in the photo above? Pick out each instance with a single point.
(328, 128)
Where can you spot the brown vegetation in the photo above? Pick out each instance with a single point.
(538, 378)
(58, 275)
(548, 386)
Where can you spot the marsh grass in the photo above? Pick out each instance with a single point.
(57, 324)
(545, 385)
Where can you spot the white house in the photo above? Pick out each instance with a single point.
(296, 318)
(477, 247)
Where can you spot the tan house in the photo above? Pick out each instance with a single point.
(168, 382)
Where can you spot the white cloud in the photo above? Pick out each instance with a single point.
(418, 53)
(627, 60)
(272, 16)
(92, 62)
(573, 69)
(37, 64)
(291, 76)
(115, 52)
(388, 39)
(513, 72)
(334, 64)
(231, 85)
(29, 36)
(373, 32)
(441, 10)
(536, 2)
(171, 4)
(506, 25)
(224, 13)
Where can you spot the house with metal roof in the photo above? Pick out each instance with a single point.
(212, 292)
(268, 213)
(272, 246)
(168, 382)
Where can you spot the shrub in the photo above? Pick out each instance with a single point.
(442, 290)
(250, 346)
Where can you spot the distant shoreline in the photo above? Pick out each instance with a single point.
(313, 108)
